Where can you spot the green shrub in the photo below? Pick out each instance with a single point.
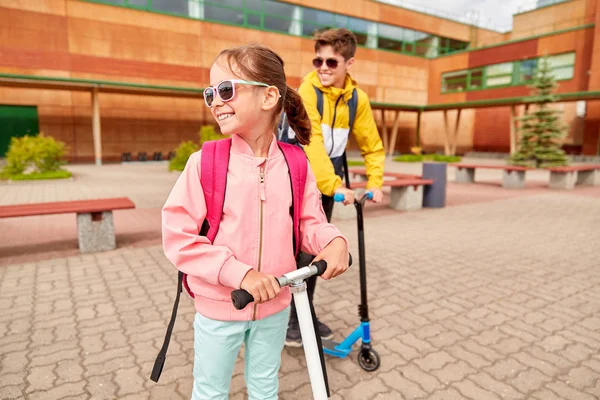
(409, 158)
(19, 155)
(182, 154)
(49, 153)
(444, 158)
(208, 133)
(40, 153)
(356, 163)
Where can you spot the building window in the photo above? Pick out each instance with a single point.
(476, 79)
(296, 20)
(454, 81)
(228, 11)
(562, 65)
(511, 73)
(527, 70)
(499, 74)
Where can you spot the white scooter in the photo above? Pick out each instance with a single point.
(296, 281)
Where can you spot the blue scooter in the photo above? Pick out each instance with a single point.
(368, 358)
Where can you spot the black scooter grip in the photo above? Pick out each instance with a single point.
(241, 298)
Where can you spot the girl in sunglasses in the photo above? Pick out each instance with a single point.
(254, 242)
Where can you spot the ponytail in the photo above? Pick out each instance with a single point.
(297, 116)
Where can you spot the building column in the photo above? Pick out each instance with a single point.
(96, 127)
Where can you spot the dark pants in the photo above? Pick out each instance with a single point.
(305, 259)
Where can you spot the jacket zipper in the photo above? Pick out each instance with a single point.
(261, 198)
(333, 123)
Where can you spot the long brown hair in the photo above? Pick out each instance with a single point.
(261, 64)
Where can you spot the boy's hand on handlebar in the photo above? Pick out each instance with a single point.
(377, 195)
(348, 194)
(261, 286)
(336, 255)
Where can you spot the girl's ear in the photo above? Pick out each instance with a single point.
(271, 98)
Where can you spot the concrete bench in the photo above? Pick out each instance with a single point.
(513, 177)
(95, 227)
(567, 177)
(406, 195)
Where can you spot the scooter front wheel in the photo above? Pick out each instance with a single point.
(368, 359)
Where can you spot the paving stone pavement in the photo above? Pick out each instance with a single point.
(494, 300)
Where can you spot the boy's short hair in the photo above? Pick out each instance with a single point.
(342, 40)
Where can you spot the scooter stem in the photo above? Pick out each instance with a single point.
(309, 341)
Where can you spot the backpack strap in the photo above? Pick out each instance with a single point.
(297, 167)
(213, 178)
(319, 100)
(353, 105)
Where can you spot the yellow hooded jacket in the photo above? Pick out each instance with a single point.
(329, 135)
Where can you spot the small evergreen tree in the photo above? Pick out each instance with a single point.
(541, 130)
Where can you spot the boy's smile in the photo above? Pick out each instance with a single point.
(332, 76)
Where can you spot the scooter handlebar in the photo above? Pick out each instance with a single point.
(241, 298)
(339, 197)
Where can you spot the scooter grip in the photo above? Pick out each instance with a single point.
(321, 266)
(241, 298)
(339, 197)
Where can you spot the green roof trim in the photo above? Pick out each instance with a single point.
(507, 101)
(524, 39)
(100, 84)
(60, 83)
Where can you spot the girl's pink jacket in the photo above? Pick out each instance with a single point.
(255, 231)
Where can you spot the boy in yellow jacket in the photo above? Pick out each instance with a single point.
(335, 49)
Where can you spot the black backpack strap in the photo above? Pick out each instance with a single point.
(162, 354)
(353, 105)
(319, 100)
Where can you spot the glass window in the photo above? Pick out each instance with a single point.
(424, 44)
(255, 5)
(476, 79)
(499, 74)
(562, 60)
(315, 20)
(360, 28)
(390, 37)
(562, 66)
(225, 12)
(138, 3)
(454, 81)
(253, 19)
(527, 70)
(279, 16)
(171, 6)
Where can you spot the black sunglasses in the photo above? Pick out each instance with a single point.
(331, 62)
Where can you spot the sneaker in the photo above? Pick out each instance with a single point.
(293, 338)
(324, 331)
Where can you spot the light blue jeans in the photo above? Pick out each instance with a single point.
(217, 344)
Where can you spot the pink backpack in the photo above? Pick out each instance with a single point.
(215, 161)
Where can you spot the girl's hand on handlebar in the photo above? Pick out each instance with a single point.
(377, 195)
(348, 194)
(261, 286)
(336, 255)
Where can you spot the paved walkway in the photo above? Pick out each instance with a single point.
(492, 298)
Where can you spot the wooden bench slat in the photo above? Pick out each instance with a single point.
(573, 168)
(66, 207)
(395, 183)
(363, 171)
